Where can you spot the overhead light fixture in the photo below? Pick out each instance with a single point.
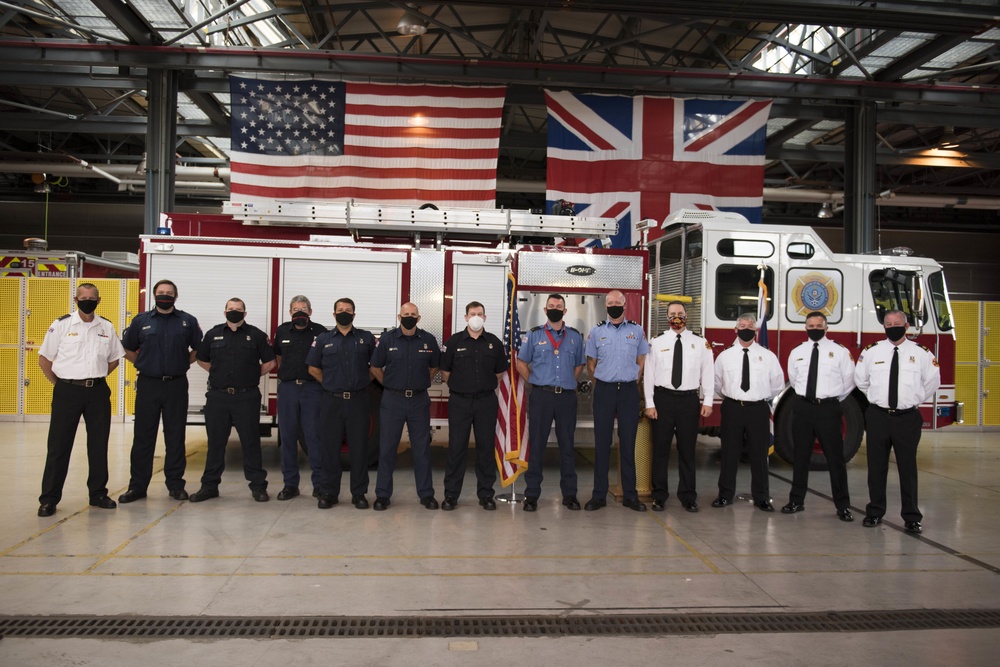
(948, 140)
(141, 167)
(825, 211)
(43, 188)
(412, 24)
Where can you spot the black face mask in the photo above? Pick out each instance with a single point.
(815, 335)
(165, 301)
(300, 319)
(614, 312)
(86, 306)
(746, 335)
(408, 322)
(554, 315)
(344, 318)
(235, 316)
(895, 334)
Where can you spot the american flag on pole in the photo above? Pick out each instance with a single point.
(510, 442)
(378, 143)
(632, 158)
(762, 308)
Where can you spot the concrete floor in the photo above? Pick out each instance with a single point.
(232, 556)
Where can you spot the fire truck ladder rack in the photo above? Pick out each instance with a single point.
(371, 218)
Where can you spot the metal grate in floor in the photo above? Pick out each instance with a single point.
(495, 626)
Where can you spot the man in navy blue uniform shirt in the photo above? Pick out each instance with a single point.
(161, 343)
(551, 360)
(404, 362)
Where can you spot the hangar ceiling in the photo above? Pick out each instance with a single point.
(74, 85)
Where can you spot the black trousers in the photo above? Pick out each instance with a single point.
(678, 414)
(479, 415)
(543, 408)
(752, 422)
(342, 418)
(222, 412)
(613, 399)
(154, 399)
(900, 433)
(69, 403)
(823, 421)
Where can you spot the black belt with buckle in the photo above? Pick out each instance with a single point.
(232, 390)
(408, 393)
(817, 401)
(744, 403)
(674, 392)
(89, 382)
(300, 381)
(162, 378)
(472, 395)
(894, 411)
(618, 385)
(553, 390)
(346, 395)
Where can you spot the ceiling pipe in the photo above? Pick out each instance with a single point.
(114, 172)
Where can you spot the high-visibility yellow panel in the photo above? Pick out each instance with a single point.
(966, 331)
(10, 384)
(131, 310)
(38, 392)
(991, 402)
(967, 391)
(113, 381)
(110, 307)
(10, 311)
(47, 300)
(991, 323)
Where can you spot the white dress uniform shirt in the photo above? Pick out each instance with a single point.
(766, 377)
(919, 375)
(81, 350)
(835, 375)
(697, 371)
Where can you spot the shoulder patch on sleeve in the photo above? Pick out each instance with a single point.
(64, 317)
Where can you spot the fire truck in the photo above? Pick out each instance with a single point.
(37, 261)
(718, 260)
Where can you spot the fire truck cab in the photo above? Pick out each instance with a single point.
(717, 259)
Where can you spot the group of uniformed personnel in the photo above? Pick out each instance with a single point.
(323, 400)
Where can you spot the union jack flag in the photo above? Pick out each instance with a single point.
(511, 446)
(632, 158)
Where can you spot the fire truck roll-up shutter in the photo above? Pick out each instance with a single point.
(479, 277)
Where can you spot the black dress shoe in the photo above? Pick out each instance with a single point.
(381, 504)
(634, 504)
(913, 527)
(764, 505)
(325, 502)
(792, 508)
(721, 502)
(845, 515)
(288, 492)
(360, 502)
(595, 504)
(429, 502)
(690, 505)
(177, 494)
(488, 504)
(316, 493)
(530, 504)
(659, 505)
(260, 495)
(131, 496)
(871, 521)
(103, 502)
(571, 502)
(46, 509)
(203, 494)
(450, 503)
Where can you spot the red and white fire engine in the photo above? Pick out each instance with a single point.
(37, 261)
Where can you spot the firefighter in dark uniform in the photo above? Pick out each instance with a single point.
(472, 361)
(404, 362)
(616, 351)
(339, 359)
(551, 360)
(298, 396)
(161, 343)
(78, 353)
(821, 372)
(897, 375)
(235, 354)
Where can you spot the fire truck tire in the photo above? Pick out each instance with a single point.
(853, 430)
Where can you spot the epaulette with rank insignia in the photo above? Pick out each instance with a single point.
(924, 348)
(540, 326)
(105, 319)
(708, 344)
(631, 322)
(870, 346)
(572, 329)
(65, 316)
(842, 345)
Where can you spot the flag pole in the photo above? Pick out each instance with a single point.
(512, 497)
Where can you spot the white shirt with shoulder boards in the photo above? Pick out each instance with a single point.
(697, 361)
(919, 374)
(81, 350)
(835, 375)
(766, 378)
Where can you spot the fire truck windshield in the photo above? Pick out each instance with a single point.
(891, 291)
(940, 301)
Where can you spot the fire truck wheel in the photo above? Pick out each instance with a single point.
(853, 427)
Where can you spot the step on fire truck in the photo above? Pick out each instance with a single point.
(717, 260)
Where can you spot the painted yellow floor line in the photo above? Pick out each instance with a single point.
(132, 539)
(687, 545)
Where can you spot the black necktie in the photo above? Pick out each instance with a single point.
(677, 371)
(894, 380)
(745, 382)
(813, 373)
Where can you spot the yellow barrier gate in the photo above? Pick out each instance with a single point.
(977, 361)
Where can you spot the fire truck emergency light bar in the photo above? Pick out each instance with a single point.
(375, 218)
